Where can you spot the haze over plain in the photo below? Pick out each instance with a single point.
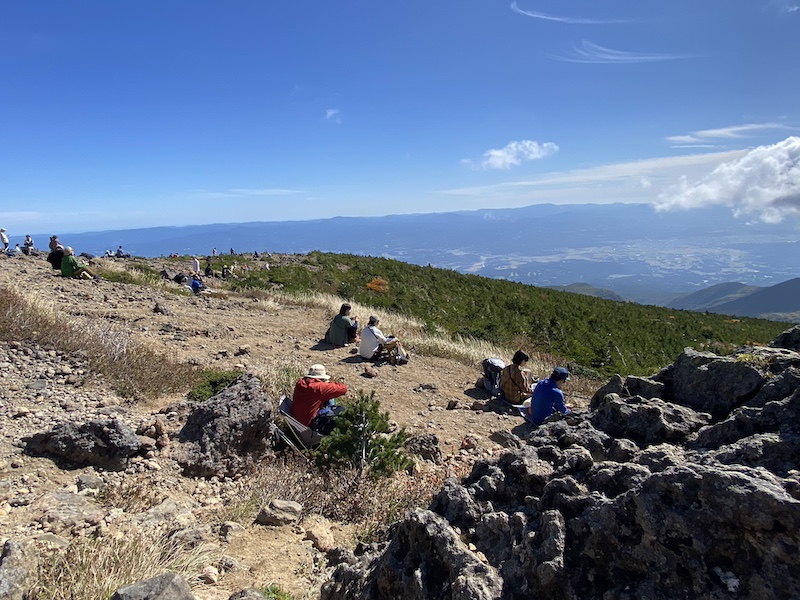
(121, 115)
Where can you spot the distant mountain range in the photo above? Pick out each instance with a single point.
(629, 249)
(778, 302)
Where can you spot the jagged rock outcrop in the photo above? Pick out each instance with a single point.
(105, 443)
(687, 488)
(229, 432)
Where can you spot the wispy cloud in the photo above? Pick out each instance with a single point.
(790, 8)
(591, 53)
(332, 114)
(765, 183)
(245, 192)
(513, 154)
(636, 181)
(705, 138)
(570, 20)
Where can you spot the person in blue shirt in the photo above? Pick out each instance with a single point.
(548, 398)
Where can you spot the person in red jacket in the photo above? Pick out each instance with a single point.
(312, 401)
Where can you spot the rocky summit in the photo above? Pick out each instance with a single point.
(682, 485)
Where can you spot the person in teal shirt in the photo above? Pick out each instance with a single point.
(343, 329)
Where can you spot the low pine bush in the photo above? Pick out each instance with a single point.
(362, 437)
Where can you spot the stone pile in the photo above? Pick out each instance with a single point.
(682, 485)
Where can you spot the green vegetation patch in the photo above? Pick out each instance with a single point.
(605, 336)
(212, 382)
(362, 432)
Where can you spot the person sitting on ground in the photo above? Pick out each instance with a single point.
(55, 257)
(28, 247)
(548, 398)
(343, 329)
(70, 267)
(54, 243)
(196, 285)
(121, 253)
(373, 342)
(209, 272)
(226, 272)
(312, 400)
(514, 381)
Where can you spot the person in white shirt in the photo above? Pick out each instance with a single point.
(373, 342)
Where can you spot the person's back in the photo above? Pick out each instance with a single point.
(371, 340)
(342, 329)
(338, 334)
(69, 266)
(514, 384)
(548, 398)
(312, 391)
(55, 257)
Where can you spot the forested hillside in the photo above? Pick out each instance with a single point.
(597, 334)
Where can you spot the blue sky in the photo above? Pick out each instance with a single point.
(120, 114)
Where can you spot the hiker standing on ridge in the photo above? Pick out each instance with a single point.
(4, 238)
(547, 397)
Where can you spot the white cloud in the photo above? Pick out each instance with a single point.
(332, 114)
(705, 136)
(570, 20)
(765, 183)
(637, 181)
(515, 152)
(591, 53)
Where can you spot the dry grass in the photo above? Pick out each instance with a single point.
(342, 494)
(134, 496)
(133, 370)
(93, 569)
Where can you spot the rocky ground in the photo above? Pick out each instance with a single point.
(43, 503)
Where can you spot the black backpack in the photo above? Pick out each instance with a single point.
(492, 367)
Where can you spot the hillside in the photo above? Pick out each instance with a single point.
(780, 299)
(602, 336)
(588, 290)
(93, 529)
(666, 254)
(711, 297)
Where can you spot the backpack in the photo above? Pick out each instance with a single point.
(398, 355)
(492, 367)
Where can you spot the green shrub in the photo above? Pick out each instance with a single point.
(274, 592)
(363, 426)
(211, 383)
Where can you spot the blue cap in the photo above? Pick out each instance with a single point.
(559, 374)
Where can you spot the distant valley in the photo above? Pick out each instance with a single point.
(630, 250)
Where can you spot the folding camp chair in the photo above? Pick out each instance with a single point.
(307, 437)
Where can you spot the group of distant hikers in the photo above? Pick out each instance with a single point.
(313, 400)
